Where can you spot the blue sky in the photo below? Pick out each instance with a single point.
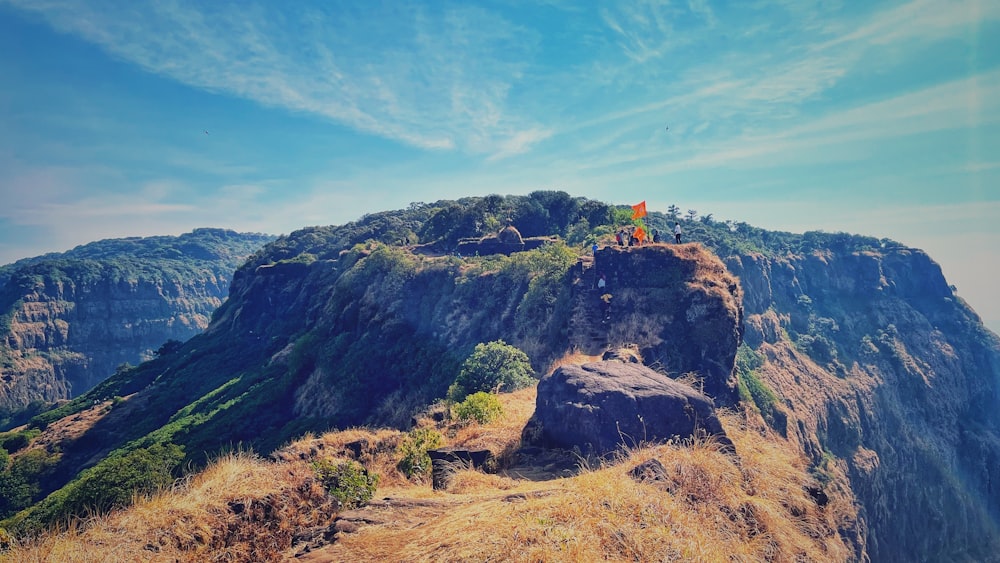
(877, 118)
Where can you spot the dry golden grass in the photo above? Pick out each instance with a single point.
(712, 506)
(377, 451)
(572, 358)
(240, 508)
(471, 481)
(501, 436)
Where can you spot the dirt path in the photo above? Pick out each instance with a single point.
(416, 529)
(395, 516)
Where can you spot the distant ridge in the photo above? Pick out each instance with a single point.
(70, 319)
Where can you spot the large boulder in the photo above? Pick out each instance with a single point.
(601, 407)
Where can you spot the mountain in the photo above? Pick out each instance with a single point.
(855, 351)
(69, 320)
(884, 375)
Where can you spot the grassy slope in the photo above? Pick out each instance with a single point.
(245, 508)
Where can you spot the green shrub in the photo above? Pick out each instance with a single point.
(819, 347)
(413, 451)
(754, 391)
(115, 481)
(752, 388)
(169, 347)
(349, 483)
(480, 406)
(16, 441)
(22, 483)
(493, 366)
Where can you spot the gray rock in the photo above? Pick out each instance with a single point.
(650, 471)
(445, 461)
(600, 407)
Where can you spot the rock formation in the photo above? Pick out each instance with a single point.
(678, 305)
(889, 380)
(601, 407)
(883, 377)
(70, 320)
(507, 241)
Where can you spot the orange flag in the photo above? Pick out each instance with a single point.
(640, 234)
(639, 210)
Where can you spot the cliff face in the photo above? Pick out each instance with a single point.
(679, 306)
(882, 377)
(65, 337)
(890, 379)
(69, 322)
(369, 336)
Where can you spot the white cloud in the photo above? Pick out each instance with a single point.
(435, 81)
(843, 135)
(520, 143)
(923, 20)
(975, 167)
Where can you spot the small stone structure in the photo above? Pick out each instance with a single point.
(507, 242)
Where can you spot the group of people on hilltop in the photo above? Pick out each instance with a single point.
(626, 236)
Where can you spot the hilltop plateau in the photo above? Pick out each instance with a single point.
(858, 391)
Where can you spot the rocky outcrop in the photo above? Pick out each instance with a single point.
(883, 377)
(891, 380)
(678, 305)
(601, 407)
(70, 322)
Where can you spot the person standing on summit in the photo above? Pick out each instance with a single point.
(677, 232)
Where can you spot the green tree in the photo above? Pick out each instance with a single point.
(21, 483)
(622, 217)
(492, 366)
(15, 494)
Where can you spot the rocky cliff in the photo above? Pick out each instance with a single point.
(69, 320)
(855, 350)
(891, 380)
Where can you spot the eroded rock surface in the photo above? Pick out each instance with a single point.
(601, 407)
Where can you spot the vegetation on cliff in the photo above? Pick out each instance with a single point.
(245, 508)
(867, 369)
(67, 320)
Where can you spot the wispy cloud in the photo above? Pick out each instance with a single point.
(432, 80)
(648, 29)
(848, 134)
(924, 20)
(756, 99)
(975, 167)
(520, 143)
